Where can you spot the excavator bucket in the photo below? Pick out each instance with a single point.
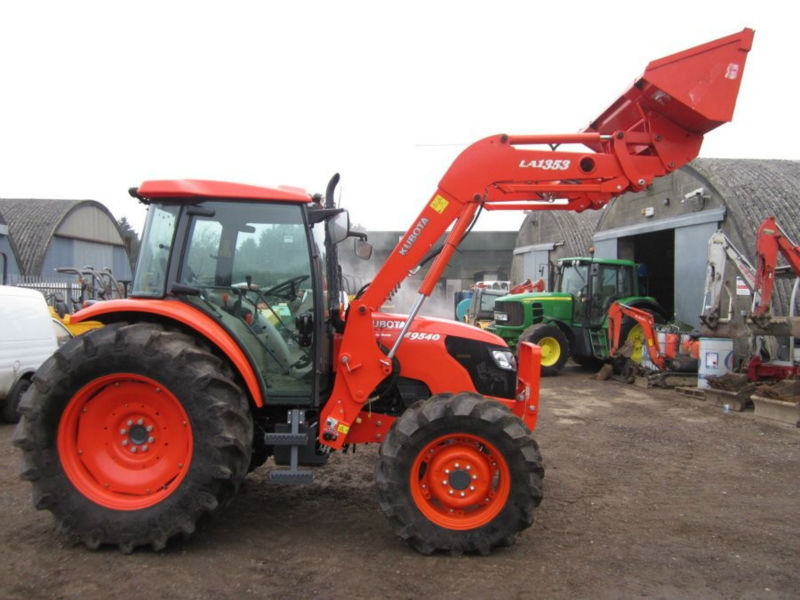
(695, 89)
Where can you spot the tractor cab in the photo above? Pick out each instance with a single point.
(595, 284)
(258, 268)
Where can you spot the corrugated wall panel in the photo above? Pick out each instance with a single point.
(89, 223)
(121, 266)
(11, 261)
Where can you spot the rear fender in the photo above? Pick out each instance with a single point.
(134, 309)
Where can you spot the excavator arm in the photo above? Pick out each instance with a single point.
(719, 279)
(770, 241)
(655, 127)
(616, 312)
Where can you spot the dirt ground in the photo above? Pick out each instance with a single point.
(648, 493)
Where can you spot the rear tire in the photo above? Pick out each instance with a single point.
(11, 405)
(554, 345)
(122, 387)
(459, 474)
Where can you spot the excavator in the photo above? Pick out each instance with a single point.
(727, 320)
(233, 348)
(728, 270)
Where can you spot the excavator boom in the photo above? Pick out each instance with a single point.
(770, 241)
(655, 127)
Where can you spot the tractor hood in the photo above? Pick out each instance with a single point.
(387, 326)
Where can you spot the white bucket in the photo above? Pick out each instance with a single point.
(715, 358)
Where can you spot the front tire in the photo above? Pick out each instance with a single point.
(459, 474)
(554, 345)
(131, 433)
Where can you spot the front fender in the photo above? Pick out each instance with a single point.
(132, 309)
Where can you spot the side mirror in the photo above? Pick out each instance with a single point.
(338, 228)
(363, 249)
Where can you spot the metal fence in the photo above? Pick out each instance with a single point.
(65, 295)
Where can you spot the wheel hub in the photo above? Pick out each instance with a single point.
(125, 441)
(460, 479)
(138, 435)
(458, 482)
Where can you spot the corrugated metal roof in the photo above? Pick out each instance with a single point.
(32, 223)
(573, 229)
(754, 190)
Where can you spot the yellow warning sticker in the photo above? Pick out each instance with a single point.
(439, 204)
(342, 428)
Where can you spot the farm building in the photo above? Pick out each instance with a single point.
(44, 235)
(667, 226)
(482, 256)
(8, 260)
(547, 236)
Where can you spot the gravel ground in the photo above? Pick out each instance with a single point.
(648, 493)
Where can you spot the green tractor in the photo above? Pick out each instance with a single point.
(572, 320)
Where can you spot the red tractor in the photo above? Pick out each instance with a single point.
(233, 347)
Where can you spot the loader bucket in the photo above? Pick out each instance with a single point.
(695, 89)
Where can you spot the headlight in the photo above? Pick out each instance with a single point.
(504, 359)
(500, 316)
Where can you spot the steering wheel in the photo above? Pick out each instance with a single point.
(287, 289)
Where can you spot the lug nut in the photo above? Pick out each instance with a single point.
(468, 467)
(123, 431)
(144, 448)
(450, 492)
(140, 422)
(462, 494)
(456, 465)
(149, 428)
(133, 449)
(472, 488)
(124, 442)
(151, 439)
(444, 482)
(447, 471)
(130, 422)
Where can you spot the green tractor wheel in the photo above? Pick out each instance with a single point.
(554, 345)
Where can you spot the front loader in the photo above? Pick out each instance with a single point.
(233, 347)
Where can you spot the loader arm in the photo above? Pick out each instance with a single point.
(655, 127)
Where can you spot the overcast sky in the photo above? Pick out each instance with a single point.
(100, 96)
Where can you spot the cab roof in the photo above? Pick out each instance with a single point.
(199, 188)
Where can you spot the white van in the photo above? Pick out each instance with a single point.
(27, 339)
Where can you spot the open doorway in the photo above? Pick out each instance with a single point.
(656, 251)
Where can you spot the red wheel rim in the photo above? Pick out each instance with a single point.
(125, 442)
(459, 481)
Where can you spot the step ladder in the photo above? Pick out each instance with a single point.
(295, 440)
(598, 338)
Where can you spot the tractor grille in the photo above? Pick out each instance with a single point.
(537, 312)
(514, 312)
(487, 377)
